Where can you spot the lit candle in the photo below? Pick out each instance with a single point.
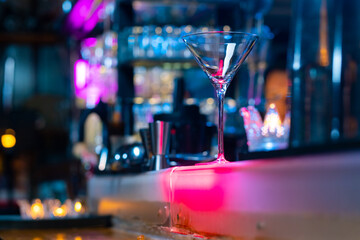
(37, 210)
(60, 211)
(272, 123)
(78, 207)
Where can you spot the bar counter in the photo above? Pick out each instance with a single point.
(66, 234)
(308, 197)
(118, 233)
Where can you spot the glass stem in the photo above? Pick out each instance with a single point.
(220, 92)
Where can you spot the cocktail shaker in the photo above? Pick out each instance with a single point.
(160, 132)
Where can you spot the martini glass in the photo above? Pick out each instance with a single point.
(220, 55)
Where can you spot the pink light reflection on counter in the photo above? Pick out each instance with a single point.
(201, 190)
(201, 187)
(198, 191)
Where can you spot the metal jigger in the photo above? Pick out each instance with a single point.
(159, 132)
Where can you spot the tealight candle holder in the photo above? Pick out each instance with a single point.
(270, 134)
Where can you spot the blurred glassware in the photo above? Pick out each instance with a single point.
(269, 100)
(324, 65)
(145, 109)
(257, 63)
(110, 39)
(129, 158)
(25, 208)
(346, 53)
(155, 42)
(267, 135)
(95, 75)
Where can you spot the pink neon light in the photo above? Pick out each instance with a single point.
(92, 96)
(85, 15)
(161, 138)
(94, 19)
(94, 82)
(198, 192)
(79, 13)
(80, 74)
(207, 182)
(89, 42)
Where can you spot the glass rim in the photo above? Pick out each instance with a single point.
(228, 32)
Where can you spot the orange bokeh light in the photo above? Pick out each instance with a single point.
(8, 140)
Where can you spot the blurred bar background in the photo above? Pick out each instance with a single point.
(80, 81)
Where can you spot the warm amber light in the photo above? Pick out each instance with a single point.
(77, 206)
(190, 101)
(138, 100)
(272, 123)
(37, 210)
(8, 140)
(210, 101)
(60, 211)
(60, 236)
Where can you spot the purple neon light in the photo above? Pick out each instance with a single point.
(85, 15)
(89, 42)
(80, 74)
(94, 82)
(94, 19)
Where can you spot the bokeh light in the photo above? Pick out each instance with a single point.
(8, 140)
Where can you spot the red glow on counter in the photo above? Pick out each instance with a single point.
(199, 188)
(196, 193)
(200, 191)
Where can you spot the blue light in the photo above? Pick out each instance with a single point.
(124, 156)
(103, 159)
(66, 6)
(136, 151)
(117, 156)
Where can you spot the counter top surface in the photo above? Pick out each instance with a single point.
(68, 234)
(118, 233)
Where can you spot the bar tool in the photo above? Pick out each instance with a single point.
(159, 132)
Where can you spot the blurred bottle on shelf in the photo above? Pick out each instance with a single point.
(348, 51)
(155, 42)
(323, 63)
(311, 74)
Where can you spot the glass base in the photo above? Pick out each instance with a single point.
(219, 160)
(190, 234)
